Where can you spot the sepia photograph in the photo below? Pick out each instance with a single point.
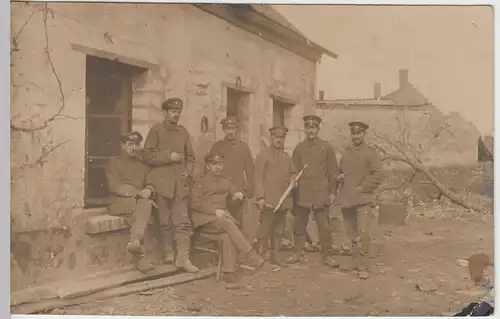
(251, 159)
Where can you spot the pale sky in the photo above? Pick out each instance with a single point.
(448, 51)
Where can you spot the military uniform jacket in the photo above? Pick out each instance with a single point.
(319, 178)
(162, 140)
(209, 193)
(274, 170)
(126, 176)
(238, 163)
(362, 167)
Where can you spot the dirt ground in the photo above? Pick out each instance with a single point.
(422, 253)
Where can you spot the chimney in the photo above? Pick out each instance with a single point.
(321, 95)
(403, 78)
(377, 91)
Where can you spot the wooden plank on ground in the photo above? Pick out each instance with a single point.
(79, 288)
(46, 305)
(50, 291)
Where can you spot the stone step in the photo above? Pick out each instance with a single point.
(104, 223)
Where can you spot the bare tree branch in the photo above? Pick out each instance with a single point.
(41, 159)
(58, 115)
(419, 167)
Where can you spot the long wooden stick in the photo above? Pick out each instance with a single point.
(46, 305)
(49, 291)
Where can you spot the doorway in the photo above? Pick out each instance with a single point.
(108, 115)
(238, 105)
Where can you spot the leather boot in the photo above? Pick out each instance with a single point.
(168, 251)
(352, 264)
(276, 242)
(142, 264)
(134, 247)
(254, 260)
(182, 261)
(364, 260)
(262, 248)
(298, 254)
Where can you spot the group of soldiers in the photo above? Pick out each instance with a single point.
(159, 178)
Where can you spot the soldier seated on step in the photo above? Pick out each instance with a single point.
(210, 195)
(131, 195)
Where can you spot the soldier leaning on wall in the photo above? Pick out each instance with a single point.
(131, 194)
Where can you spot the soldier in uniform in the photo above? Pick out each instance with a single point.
(316, 190)
(360, 174)
(274, 170)
(209, 203)
(239, 165)
(170, 154)
(131, 194)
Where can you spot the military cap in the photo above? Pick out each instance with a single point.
(312, 120)
(172, 103)
(229, 120)
(214, 158)
(134, 136)
(358, 126)
(278, 130)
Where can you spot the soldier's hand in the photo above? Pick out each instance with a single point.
(340, 177)
(145, 193)
(220, 213)
(260, 203)
(185, 174)
(238, 195)
(175, 157)
(332, 198)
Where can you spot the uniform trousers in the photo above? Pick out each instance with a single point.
(357, 221)
(234, 242)
(173, 213)
(137, 217)
(272, 224)
(301, 215)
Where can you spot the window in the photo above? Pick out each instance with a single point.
(238, 105)
(108, 115)
(281, 111)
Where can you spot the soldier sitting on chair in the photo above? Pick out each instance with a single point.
(131, 194)
(209, 203)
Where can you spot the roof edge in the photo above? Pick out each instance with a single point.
(303, 39)
(258, 20)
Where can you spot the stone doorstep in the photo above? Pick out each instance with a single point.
(104, 223)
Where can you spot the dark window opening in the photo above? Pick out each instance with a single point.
(204, 124)
(108, 115)
(280, 110)
(238, 105)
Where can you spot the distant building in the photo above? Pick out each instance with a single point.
(446, 139)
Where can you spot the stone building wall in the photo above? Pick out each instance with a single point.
(183, 51)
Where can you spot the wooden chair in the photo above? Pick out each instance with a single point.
(212, 237)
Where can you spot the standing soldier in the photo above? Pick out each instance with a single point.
(239, 165)
(360, 174)
(316, 190)
(170, 153)
(274, 170)
(131, 194)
